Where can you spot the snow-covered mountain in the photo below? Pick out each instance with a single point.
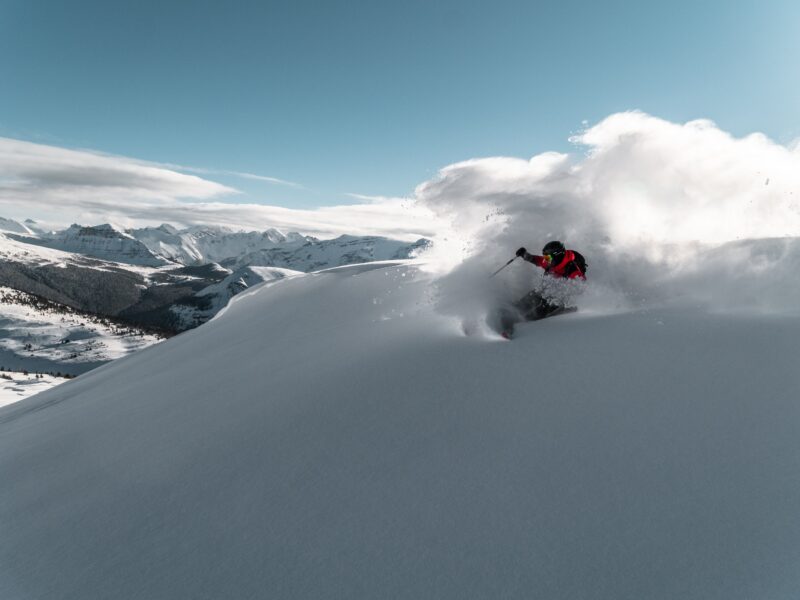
(11, 226)
(270, 248)
(156, 276)
(138, 281)
(200, 245)
(356, 433)
(141, 296)
(204, 244)
(313, 254)
(104, 271)
(106, 242)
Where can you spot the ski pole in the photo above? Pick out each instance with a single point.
(503, 267)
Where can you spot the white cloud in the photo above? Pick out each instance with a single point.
(375, 199)
(392, 219)
(274, 180)
(40, 173)
(59, 186)
(242, 174)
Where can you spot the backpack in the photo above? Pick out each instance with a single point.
(578, 263)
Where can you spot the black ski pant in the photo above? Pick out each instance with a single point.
(533, 306)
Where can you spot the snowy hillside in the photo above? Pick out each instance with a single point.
(206, 303)
(16, 385)
(138, 294)
(44, 337)
(378, 451)
(137, 285)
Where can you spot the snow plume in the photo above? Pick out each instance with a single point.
(662, 212)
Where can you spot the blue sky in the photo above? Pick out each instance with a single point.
(373, 98)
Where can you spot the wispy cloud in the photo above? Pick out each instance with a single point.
(241, 174)
(366, 198)
(274, 180)
(41, 173)
(60, 186)
(401, 221)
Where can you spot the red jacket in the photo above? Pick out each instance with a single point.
(567, 268)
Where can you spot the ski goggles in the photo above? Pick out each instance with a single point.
(548, 258)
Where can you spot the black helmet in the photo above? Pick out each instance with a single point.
(553, 248)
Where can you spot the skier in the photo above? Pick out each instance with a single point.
(558, 263)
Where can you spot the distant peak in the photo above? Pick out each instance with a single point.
(107, 230)
(12, 226)
(167, 228)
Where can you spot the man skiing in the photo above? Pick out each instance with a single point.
(559, 264)
(557, 261)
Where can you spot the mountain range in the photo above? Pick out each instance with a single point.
(162, 280)
(201, 245)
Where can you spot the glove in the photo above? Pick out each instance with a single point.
(521, 252)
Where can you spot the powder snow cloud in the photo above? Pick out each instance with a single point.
(641, 180)
(660, 209)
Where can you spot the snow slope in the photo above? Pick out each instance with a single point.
(337, 435)
(210, 300)
(170, 297)
(44, 337)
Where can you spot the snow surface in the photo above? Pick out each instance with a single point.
(16, 386)
(338, 435)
